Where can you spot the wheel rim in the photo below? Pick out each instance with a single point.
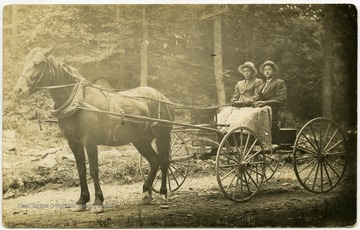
(320, 155)
(272, 164)
(178, 167)
(240, 164)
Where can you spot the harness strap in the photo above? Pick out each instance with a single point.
(70, 106)
(114, 121)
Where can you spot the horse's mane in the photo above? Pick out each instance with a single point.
(62, 68)
(58, 67)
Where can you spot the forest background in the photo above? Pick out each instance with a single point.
(315, 47)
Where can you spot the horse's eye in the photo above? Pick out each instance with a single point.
(37, 63)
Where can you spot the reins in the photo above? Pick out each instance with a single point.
(177, 105)
(80, 80)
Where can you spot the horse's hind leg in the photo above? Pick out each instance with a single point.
(79, 154)
(163, 138)
(143, 145)
(92, 152)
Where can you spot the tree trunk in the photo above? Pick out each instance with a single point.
(327, 77)
(121, 76)
(144, 48)
(218, 65)
(14, 23)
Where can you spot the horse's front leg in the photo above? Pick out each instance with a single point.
(92, 152)
(79, 154)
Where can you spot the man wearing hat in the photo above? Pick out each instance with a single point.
(246, 91)
(273, 91)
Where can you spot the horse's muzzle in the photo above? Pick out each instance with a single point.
(20, 92)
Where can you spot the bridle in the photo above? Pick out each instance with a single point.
(33, 84)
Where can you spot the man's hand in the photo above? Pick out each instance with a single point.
(238, 103)
(260, 104)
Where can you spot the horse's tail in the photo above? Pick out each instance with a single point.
(166, 109)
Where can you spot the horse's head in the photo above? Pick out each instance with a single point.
(33, 72)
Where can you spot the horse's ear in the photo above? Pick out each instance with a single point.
(50, 51)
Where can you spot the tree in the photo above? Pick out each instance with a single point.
(104, 42)
(144, 48)
(327, 75)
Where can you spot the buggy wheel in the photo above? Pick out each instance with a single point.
(178, 167)
(240, 164)
(320, 155)
(272, 163)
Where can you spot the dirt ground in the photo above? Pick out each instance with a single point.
(199, 202)
(40, 186)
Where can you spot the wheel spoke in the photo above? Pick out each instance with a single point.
(305, 157)
(174, 177)
(250, 177)
(175, 150)
(236, 145)
(270, 167)
(246, 181)
(335, 161)
(330, 140)
(314, 135)
(236, 186)
(228, 165)
(327, 174)
(229, 158)
(251, 148)
(307, 150)
(239, 177)
(316, 173)
(320, 155)
(254, 155)
(226, 175)
(321, 177)
(336, 144)
(310, 172)
(336, 153)
(310, 163)
(231, 182)
(247, 143)
(312, 145)
(255, 171)
(174, 141)
(332, 169)
(327, 132)
(177, 170)
(179, 163)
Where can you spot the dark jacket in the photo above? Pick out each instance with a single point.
(274, 94)
(247, 93)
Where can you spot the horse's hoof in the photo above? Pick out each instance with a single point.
(79, 208)
(147, 198)
(97, 208)
(162, 200)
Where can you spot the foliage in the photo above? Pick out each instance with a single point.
(103, 42)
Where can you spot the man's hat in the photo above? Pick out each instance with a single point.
(247, 64)
(275, 67)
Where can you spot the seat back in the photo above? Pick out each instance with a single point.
(204, 116)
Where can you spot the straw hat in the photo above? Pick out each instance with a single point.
(275, 67)
(247, 64)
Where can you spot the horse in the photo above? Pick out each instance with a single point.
(78, 105)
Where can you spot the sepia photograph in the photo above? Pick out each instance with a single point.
(179, 115)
